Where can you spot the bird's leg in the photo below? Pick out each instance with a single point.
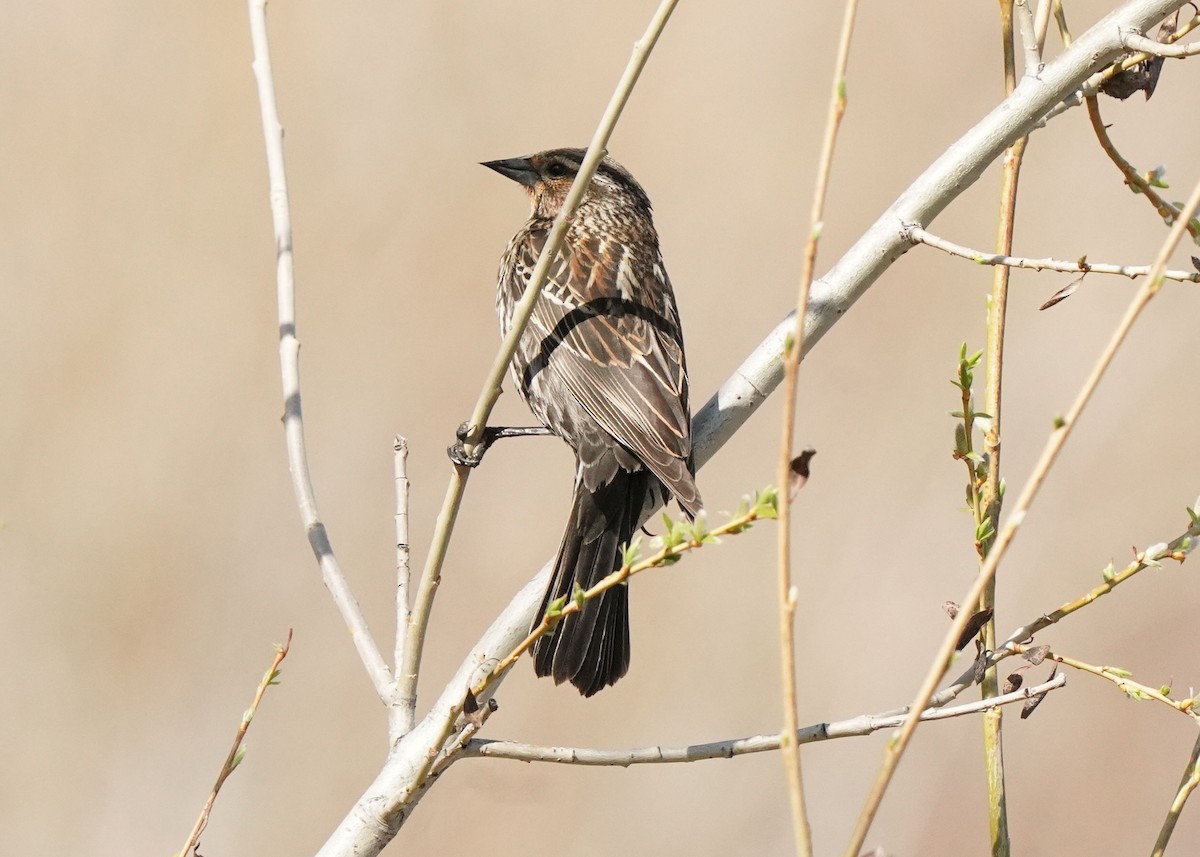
(491, 434)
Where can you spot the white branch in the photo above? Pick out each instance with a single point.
(1029, 39)
(856, 726)
(289, 364)
(403, 710)
(920, 236)
(1135, 41)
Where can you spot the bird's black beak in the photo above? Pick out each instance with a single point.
(519, 170)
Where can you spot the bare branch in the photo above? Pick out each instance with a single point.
(1191, 779)
(1081, 266)
(289, 365)
(864, 724)
(1133, 178)
(986, 493)
(1042, 26)
(403, 710)
(801, 832)
(1137, 42)
(1029, 39)
(234, 757)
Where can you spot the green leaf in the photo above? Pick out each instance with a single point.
(578, 594)
(554, 608)
(237, 757)
(674, 534)
(960, 439)
(1109, 573)
(631, 552)
(766, 503)
(1118, 672)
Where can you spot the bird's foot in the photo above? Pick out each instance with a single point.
(458, 451)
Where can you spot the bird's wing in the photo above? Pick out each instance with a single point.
(609, 332)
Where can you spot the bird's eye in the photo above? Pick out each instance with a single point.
(556, 170)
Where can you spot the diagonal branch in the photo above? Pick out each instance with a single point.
(1133, 178)
(1191, 779)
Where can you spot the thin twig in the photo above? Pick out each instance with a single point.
(1049, 455)
(801, 832)
(1165, 210)
(234, 758)
(289, 365)
(1150, 47)
(1081, 266)
(403, 710)
(864, 724)
(596, 151)
(1092, 85)
(1042, 25)
(683, 538)
(1123, 680)
(989, 500)
(1134, 59)
(1191, 779)
(1177, 550)
(1060, 20)
(1029, 39)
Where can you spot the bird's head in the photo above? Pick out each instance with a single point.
(547, 177)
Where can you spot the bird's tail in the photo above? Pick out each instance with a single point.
(590, 648)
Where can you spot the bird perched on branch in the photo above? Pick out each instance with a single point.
(601, 365)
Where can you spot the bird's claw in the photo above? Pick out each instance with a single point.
(457, 452)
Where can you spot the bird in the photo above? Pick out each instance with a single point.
(601, 364)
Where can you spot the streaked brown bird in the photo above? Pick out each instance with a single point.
(601, 365)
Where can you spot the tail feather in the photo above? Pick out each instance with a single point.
(590, 649)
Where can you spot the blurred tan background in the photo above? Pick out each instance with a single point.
(151, 549)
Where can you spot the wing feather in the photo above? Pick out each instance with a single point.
(609, 333)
